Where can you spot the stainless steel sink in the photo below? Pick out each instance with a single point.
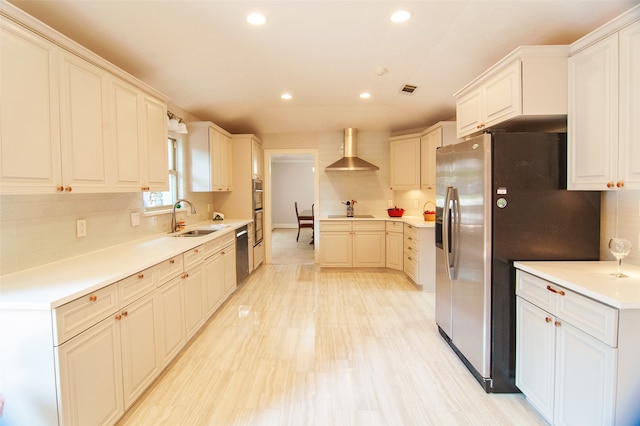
(197, 233)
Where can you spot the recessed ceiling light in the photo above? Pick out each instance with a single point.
(256, 19)
(286, 96)
(401, 15)
(365, 95)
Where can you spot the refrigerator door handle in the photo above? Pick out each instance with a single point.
(446, 213)
(455, 229)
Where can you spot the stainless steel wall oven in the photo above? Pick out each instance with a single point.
(258, 217)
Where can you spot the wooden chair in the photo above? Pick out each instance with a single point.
(304, 221)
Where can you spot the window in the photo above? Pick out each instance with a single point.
(163, 199)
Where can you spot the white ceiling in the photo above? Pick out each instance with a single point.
(211, 63)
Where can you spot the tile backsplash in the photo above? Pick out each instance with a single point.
(39, 229)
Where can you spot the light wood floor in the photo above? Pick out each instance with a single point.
(296, 345)
(285, 250)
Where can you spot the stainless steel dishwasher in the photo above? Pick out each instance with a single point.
(242, 254)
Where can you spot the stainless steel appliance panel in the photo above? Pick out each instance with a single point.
(258, 222)
(257, 194)
(242, 254)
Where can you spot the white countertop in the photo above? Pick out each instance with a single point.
(417, 221)
(592, 279)
(54, 284)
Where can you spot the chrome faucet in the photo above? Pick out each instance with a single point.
(174, 225)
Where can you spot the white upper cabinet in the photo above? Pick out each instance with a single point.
(71, 121)
(529, 85)
(257, 158)
(211, 157)
(604, 103)
(440, 134)
(84, 138)
(155, 161)
(29, 113)
(126, 136)
(405, 162)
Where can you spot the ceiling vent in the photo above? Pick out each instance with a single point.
(408, 89)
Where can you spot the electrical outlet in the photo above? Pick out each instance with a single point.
(389, 203)
(135, 219)
(81, 228)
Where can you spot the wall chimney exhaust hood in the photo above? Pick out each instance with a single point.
(350, 161)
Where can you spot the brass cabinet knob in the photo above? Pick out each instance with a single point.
(619, 184)
(557, 324)
(93, 298)
(68, 189)
(172, 261)
(609, 184)
(547, 319)
(140, 276)
(59, 188)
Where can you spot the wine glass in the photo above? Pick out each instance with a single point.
(619, 247)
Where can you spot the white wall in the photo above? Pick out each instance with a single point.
(291, 181)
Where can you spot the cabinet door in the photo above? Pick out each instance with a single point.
(257, 158)
(230, 279)
(91, 376)
(585, 378)
(214, 273)
(428, 145)
(173, 335)
(126, 136)
(535, 356)
(592, 145)
(629, 132)
(194, 296)
(335, 249)
(394, 250)
(155, 165)
(405, 163)
(469, 113)
(369, 249)
(140, 351)
(503, 95)
(29, 113)
(83, 113)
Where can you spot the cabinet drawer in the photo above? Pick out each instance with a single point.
(534, 290)
(82, 313)
(192, 257)
(411, 266)
(227, 239)
(335, 226)
(594, 318)
(394, 226)
(411, 231)
(411, 244)
(212, 247)
(136, 286)
(169, 269)
(368, 225)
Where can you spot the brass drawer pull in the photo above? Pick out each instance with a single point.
(551, 289)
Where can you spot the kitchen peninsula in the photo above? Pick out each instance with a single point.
(405, 243)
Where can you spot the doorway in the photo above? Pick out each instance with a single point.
(290, 175)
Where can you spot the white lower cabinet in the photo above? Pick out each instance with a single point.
(394, 245)
(219, 276)
(352, 244)
(140, 338)
(90, 376)
(419, 256)
(566, 353)
(173, 334)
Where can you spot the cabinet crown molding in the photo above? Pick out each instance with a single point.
(611, 27)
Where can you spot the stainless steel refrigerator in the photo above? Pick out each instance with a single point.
(500, 198)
